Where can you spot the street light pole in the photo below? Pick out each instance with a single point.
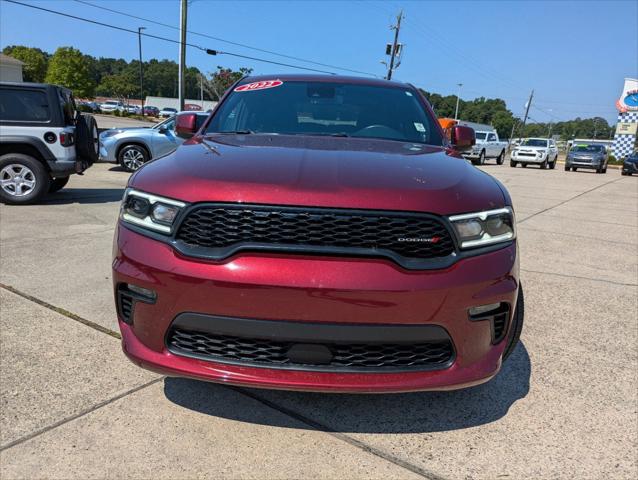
(182, 52)
(139, 42)
(456, 112)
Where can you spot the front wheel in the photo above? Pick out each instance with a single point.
(23, 179)
(512, 164)
(552, 165)
(501, 158)
(516, 327)
(544, 164)
(132, 157)
(567, 168)
(524, 165)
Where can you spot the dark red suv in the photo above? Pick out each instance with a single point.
(319, 233)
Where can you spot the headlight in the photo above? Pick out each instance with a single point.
(540, 153)
(109, 133)
(484, 228)
(150, 211)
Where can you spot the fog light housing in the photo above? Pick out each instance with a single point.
(483, 309)
(144, 292)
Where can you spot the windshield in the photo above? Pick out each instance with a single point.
(588, 148)
(326, 108)
(111, 103)
(535, 142)
(169, 124)
(168, 109)
(480, 135)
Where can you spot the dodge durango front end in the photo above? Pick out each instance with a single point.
(319, 233)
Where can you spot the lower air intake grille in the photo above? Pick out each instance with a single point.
(125, 305)
(338, 357)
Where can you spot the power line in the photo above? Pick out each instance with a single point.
(157, 37)
(230, 42)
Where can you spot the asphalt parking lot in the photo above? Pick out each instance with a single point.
(564, 406)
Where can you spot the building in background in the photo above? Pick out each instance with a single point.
(163, 102)
(627, 126)
(10, 69)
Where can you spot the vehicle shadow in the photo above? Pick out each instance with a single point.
(391, 413)
(84, 195)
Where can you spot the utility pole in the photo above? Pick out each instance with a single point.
(182, 51)
(529, 104)
(509, 142)
(139, 42)
(201, 90)
(456, 112)
(395, 44)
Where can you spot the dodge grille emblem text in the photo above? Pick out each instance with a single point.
(419, 239)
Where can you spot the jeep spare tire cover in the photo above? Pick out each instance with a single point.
(87, 140)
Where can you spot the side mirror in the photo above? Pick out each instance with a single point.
(186, 125)
(163, 129)
(462, 138)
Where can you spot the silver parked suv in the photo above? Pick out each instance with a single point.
(43, 140)
(133, 147)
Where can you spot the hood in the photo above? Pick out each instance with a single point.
(321, 172)
(524, 148)
(113, 131)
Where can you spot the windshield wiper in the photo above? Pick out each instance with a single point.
(237, 132)
(327, 134)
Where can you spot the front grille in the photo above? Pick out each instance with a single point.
(275, 354)
(224, 229)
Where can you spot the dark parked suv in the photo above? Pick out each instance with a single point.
(319, 233)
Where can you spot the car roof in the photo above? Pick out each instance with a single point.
(295, 77)
(34, 85)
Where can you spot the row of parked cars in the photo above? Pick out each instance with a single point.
(113, 105)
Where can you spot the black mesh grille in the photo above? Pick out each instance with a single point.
(125, 303)
(226, 226)
(500, 325)
(274, 354)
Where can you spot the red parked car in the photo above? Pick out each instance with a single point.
(319, 233)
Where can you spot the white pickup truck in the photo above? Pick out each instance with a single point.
(487, 146)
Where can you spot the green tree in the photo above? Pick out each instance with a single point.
(221, 79)
(35, 61)
(121, 86)
(68, 67)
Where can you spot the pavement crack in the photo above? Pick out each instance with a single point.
(342, 436)
(62, 311)
(581, 278)
(570, 199)
(79, 414)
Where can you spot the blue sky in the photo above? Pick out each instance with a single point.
(575, 55)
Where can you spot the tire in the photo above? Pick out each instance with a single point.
(512, 164)
(501, 158)
(574, 169)
(524, 165)
(87, 139)
(552, 165)
(567, 169)
(58, 184)
(23, 179)
(543, 165)
(132, 157)
(481, 159)
(605, 170)
(514, 334)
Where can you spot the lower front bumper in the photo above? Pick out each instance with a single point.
(166, 363)
(314, 289)
(591, 166)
